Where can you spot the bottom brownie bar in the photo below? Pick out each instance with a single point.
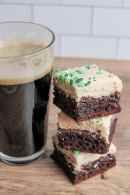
(79, 167)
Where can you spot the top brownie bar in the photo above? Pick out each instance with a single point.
(87, 92)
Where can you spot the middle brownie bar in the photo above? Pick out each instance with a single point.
(93, 136)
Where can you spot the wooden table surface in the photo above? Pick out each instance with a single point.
(44, 177)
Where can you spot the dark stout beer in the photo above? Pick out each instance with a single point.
(24, 96)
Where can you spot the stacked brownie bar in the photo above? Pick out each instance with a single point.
(88, 97)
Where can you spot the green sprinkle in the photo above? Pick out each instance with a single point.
(88, 83)
(71, 82)
(61, 78)
(66, 75)
(70, 74)
(79, 80)
(78, 71)
(88, 66)
(76, 152)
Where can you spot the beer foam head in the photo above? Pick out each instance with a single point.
(23, 62)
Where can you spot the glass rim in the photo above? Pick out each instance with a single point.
(33, 52)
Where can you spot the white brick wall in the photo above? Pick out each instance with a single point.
(111, 22)
(32, 1)
(15, 12)
(84, 28)
(64, 20)
(112, 3)
(127, 3)
(124, 49)
(88, 46)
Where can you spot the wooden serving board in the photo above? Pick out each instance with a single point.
(44, 177)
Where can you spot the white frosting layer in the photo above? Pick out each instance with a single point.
(94, 82)
(85, 158)
(101, 124)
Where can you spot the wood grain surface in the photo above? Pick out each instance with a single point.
(44, 177)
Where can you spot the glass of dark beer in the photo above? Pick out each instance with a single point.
(26, 58)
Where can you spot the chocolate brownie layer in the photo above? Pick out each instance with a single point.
(85, 141)
(87, 107)
(87, 171)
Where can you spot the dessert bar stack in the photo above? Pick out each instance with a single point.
(88, 97)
